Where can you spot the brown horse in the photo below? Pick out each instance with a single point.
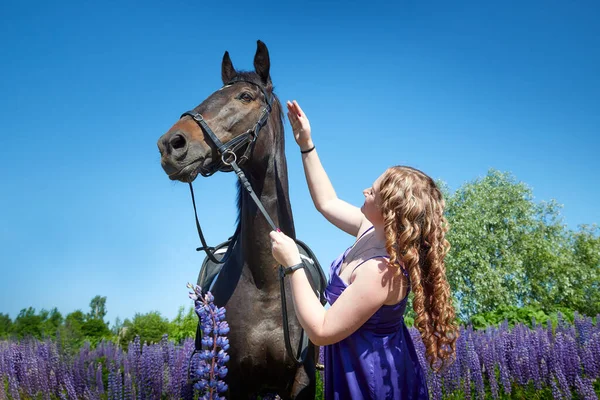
(248, 284)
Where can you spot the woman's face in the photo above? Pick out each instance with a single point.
(370, 208)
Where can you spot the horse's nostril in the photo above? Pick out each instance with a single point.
(177, 142)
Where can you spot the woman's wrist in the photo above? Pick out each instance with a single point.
(307, 147)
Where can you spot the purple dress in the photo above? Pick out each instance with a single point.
(378, 361)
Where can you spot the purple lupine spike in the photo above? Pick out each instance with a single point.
(534, 358)
(594, 346)
(69, 387)
(213, 357)
(3, 395)
(585, 389)
(488, 363)
(503, 358)
(186, 391)
(562, 383)
(543, 354)
(111, 384)
(475, 368)
(556, 394)
(99, 382)
(157, 366)
(90, 375)
(573, 361)
(127, 388)
(589, 364)
(13, 384)
(53, 382)
(435, 385)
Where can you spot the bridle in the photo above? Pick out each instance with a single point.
(227, 151)
(229, 161)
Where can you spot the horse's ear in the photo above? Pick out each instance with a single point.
(262, 65)
(227, 70)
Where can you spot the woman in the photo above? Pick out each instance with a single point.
(400, 246)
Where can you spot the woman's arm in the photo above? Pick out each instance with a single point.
(340, 213)
(369, 290)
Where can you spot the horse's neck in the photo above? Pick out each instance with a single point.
(273, 194)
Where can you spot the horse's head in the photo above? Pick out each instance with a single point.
(223, 127)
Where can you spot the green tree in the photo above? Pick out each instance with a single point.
(149, 327)
(28, 323)
(183, 325)
(51, 321)
(5, 325)
(94, 330)
(98, 307)
(71, 333)
(508, 250)
(585, 274)
(504, 246)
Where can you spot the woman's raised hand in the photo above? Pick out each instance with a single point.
(300, 125)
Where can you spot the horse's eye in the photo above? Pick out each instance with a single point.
(246, 97)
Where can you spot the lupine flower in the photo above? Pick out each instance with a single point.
(584, 389)
(564, 362)
(213, 356)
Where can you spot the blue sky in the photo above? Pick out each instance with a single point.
(87, 88)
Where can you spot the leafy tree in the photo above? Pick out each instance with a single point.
(51, 321)
(71, 334)
(98, 307)
(509, 251)
(489, 221)
(5, 325)
(117, 326)
(183, 325)
(149, 327)
(94, 330)
(585, 272)
(28, 323)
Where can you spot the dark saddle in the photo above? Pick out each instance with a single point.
(209, 272)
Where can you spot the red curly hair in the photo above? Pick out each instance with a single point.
(412, 207)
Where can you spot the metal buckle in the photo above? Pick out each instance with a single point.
(230, 155)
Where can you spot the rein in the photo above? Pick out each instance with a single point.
(228, 155)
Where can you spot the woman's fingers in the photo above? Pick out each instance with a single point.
(293, 107)
(298, 109)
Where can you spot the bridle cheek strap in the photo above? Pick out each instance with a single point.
(247, 138)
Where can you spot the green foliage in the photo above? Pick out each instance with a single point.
(528, 315)
(28, 323)
(508, 250)
(95, 330)
(490, 220)
(586, 275)
(183, 325)
(70, 335)
(5, 325)
(97, 307)
(149, 327)
(52, 322)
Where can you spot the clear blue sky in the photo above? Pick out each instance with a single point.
(86, 89)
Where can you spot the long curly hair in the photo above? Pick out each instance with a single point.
(412, 207)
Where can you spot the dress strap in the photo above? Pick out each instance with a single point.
(363, 234)
(370, 258)
(383, 256)
(356, 241)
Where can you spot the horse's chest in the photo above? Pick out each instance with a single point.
(258, 331)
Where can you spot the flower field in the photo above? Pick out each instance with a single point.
(497, 363)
